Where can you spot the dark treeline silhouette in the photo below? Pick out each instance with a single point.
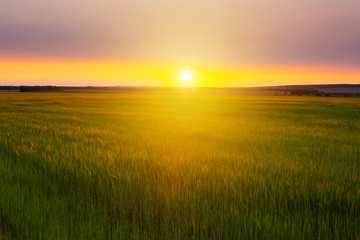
(9, 88)
(291, 91)
(305, 92)
(330, 90)
(113, 88)
(341, 90)
(39, 89)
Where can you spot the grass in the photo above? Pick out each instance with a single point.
(139, 165)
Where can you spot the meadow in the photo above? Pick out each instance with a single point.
(184, 165)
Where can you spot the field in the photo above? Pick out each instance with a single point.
(185, 165)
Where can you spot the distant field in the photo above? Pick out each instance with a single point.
(136, 165)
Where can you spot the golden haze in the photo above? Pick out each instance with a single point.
(114, 73)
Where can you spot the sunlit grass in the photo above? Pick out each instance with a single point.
(178, 166)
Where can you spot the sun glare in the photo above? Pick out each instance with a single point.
(186, 75)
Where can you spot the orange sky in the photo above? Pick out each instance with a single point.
(225, 43)
(115, 73)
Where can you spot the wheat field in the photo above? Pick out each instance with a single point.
(185, 165)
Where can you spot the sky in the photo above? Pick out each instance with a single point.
(150, 42)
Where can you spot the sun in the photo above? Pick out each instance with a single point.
(186, 75)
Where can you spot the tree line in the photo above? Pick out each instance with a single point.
(39, 89)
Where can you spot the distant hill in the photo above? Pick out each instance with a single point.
(346, 90)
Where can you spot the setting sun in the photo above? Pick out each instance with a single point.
(186, 75)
